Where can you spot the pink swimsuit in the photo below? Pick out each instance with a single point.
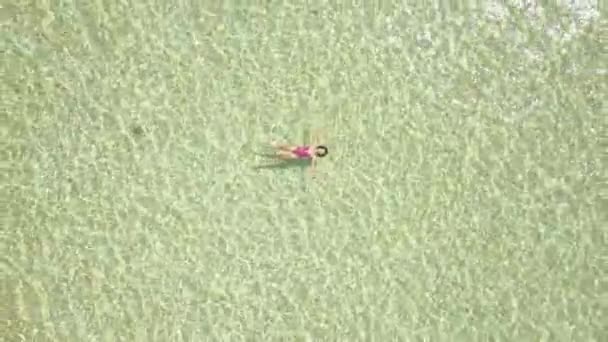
(302, 152)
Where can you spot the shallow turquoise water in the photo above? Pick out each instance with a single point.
(460, 200)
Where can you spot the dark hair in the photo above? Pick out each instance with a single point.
(324, 151)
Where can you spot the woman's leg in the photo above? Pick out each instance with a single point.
(278, 154)
(285, 155)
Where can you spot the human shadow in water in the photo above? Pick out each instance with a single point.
(281, 164)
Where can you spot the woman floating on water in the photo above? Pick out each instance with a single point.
(289, 152)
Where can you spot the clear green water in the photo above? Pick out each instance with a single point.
(460, 201)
